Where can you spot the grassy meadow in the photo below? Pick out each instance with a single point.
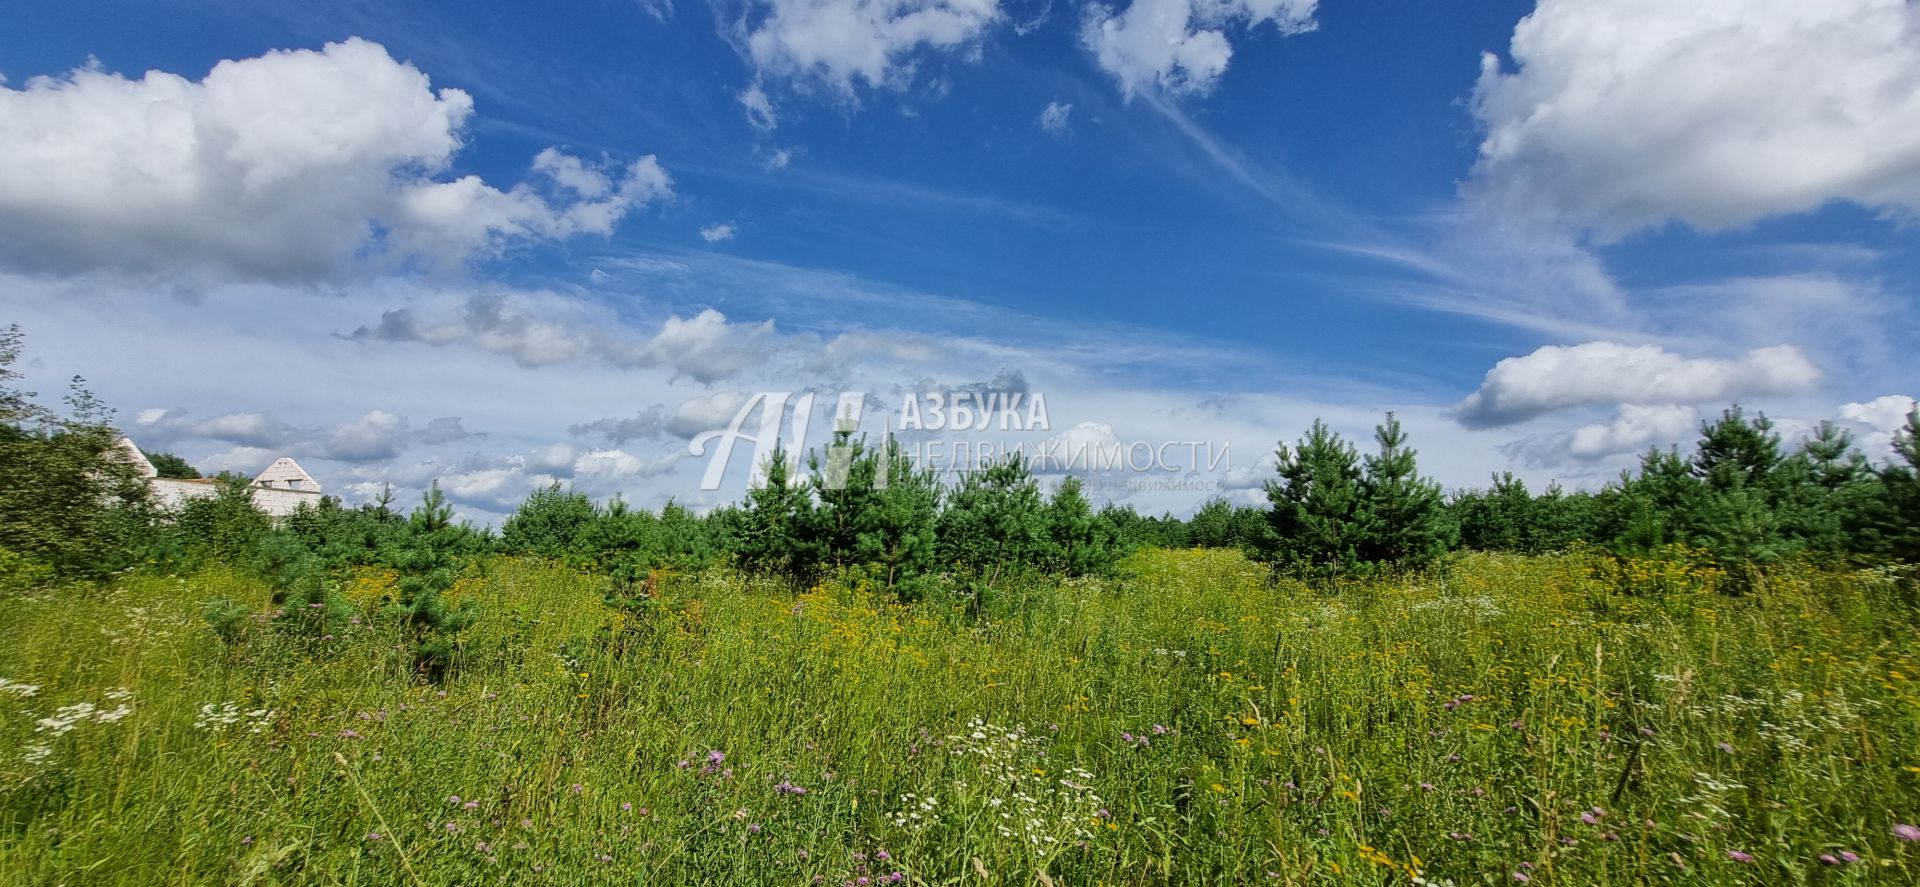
(1554, 720)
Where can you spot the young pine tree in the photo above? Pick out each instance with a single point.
(430, 561)
(1826, 494)
(844, 484)
(1737, 519)
(1899, 521)
(1077, 543)
(551, 523)
(1496, 519)
(994, 520)
(1316, 505)
(895, 534)
(1403, 517)
(774, 526)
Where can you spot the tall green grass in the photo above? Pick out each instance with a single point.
(1553, 720)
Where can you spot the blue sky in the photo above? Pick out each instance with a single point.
(1178, 219)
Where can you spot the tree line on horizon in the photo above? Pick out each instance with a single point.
(70, 509)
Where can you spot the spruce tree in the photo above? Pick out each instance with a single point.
(1497, 519)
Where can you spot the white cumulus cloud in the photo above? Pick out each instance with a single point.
(294, 165)
(1887, 413)
(1635, 428)
(1622, 114)
(843, 42)
(717, 233)
(1180, 46)
(1559, 377)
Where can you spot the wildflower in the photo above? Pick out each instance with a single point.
(453, 799)
(1829, 859)
(753, 828)
(1738, 856)
(626, 805)
(1849, 856)
(1906, 832)
(1521, 877)
(471, 805)
(1724, 746)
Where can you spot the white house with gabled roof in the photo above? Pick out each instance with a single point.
(278, 491)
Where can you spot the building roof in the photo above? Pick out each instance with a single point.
(136, 458)
(287, 474)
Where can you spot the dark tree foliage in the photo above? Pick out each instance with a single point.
(1078, 542)
(994, 521)
(170, 465)
(222, 528)
(551, 523)
(773, 535)
(71, 503)
(1221, 524)
(432, 558)
(1507, 517)
(845, 486)
(1132, 530)
(1897, 520)
(895, 535)
(349, 537)
(1316, 516)
(1403, 519)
